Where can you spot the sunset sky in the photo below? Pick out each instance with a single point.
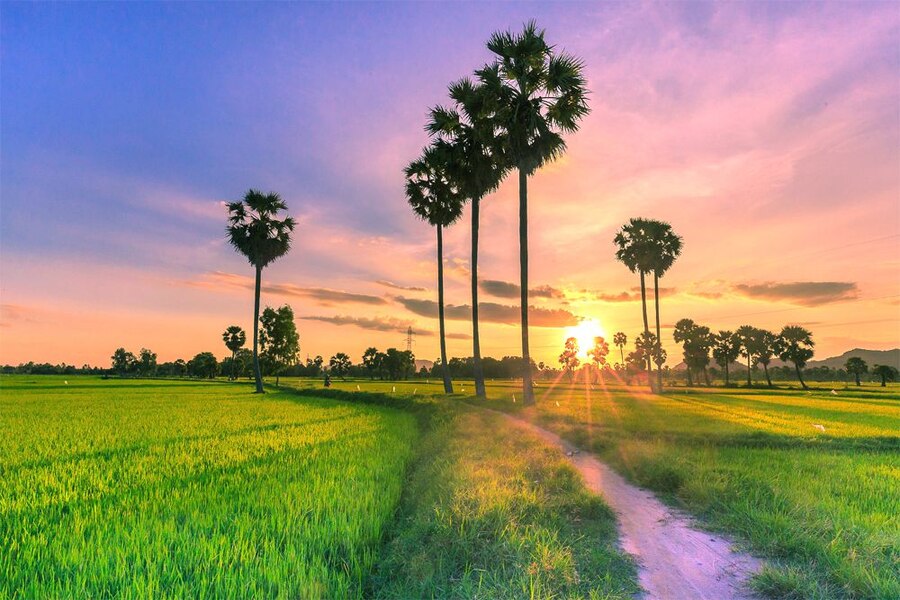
(768, 135)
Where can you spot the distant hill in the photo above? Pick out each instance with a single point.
(872, 357)
(423, 363)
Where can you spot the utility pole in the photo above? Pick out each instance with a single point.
(409, 339)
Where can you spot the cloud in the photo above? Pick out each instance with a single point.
(387, 324)
(374, 324)
(491, 312)
(324, 296)
(505, 289)
(804, 293)
(396, 286)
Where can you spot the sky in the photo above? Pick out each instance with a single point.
(768, 135)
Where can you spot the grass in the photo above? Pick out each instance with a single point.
(177, 489)
(822, 506)
(200, 489)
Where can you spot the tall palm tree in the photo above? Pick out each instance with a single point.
(255, 231)
(476, 168)
(234, 338)
(637, 252)
(666, 250)
(620, 339)
(534, 96)
(434, 198)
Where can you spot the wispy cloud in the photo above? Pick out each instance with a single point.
(397, 286)
(491, 312)
(506, 289)
(804, 293)
(323, 296)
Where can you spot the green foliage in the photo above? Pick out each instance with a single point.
(278, 338)
(886, 373)
(203, 364)
(491, 512)
(340, 364)
(856, 367)
(821, 506)
(149, 489)
(254, 229)
(123, 362)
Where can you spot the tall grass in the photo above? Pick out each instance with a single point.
(810, 481)
(144, 489)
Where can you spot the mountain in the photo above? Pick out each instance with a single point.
(428, 364)
(872, 358)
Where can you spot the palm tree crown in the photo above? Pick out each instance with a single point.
(536, 95)
(234, 338)
(255, 231)
(636, 247)
(431, 192)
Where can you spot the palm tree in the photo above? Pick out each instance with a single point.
(725, 350)
(637, 252)
(598, 353)
(795, 344)
(620, 339)
(748, 342)
(435, 199)
(765, 348)
(255, 232)
(534, 95)
(684, 334)
(666, 250)
(856, 367)
(476, 169)
(234, 338)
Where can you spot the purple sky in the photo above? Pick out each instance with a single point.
(767, 134)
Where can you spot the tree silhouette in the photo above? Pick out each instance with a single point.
(620, 339)
(435, 199)
(856, 367)
(255, 231)
(726, 348)
(146, 362)
(569, 357)
(340, 364)
(649, 348)
(534, 95)
(278, 338)
(886, 372)
(370, 360)
(666, 250)
(683, 332)
(635, 249)
(599, 352)
(476, 168)
(234, 338)
(748, 345)
(765, 348)
(123, 362)
(795, 344)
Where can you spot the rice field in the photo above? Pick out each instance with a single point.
(808, 480)
(178, 489)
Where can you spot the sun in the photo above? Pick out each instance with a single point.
(585, 332)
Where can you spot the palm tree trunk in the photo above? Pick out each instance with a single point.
(256, 370)
(659, 380)
(527, 387)
(622, 354)
(476, 341)
(646, 329)
(800, 376)
(766, 369)
(445, 371)
(233, 354)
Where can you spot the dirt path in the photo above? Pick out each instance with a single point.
(676, 561)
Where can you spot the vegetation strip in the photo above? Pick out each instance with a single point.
(675, 559)
(488, 512)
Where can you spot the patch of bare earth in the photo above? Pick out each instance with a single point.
(676, 560)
